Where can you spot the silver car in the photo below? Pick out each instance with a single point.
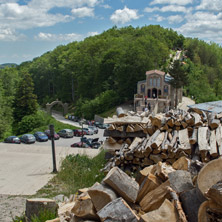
(66, 133)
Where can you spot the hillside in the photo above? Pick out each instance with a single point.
(2, 66)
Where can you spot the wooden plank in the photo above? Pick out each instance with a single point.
(126, 187)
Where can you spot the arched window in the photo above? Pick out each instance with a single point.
(158, 82)
(151, 81)
(154, 82)
(142, 88)
(159, 92)
(149, 93)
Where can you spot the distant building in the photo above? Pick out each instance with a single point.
(156, 92)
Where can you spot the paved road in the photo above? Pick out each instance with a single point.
(24, 169)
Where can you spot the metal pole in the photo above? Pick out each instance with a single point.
(51, 128)
(82, 132)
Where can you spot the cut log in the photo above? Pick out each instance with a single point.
(150, 183)
(189, 119)
(174, 139)
(120, 112)
(213, 123)
(197, 119)
(126, 187)
(154, 199)
(36, 205)
(117, 210)
(129, 128)
(170, 123)
(182, 163)
(101, 195)
(119, 134)
(165, 213)
(144, 173)
(84, 208)
(215, 193)
(158, 141)
(119, 128)
(112, 127)
(213, 145)
(193, 138)
(218, 135)
(155, 158)
(111, 140)
(135, 144)
(162, 170)
(202, 139)
(180, 180)
(191, 203)
(184, 141)
(138, 127)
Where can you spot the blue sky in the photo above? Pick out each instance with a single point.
(29, 28)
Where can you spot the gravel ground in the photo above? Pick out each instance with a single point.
(11, 206)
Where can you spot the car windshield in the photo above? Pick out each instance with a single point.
(40, 134)
(68, 130)
(30, 136)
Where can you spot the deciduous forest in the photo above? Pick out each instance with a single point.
(102, 71)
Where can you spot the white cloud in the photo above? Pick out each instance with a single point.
(105, 6)
(92, 34)
(205, 25)
(212, 5)
(169, 8)
(83, 12)
(175, 19)
(122, 16)
(176, 2)
(159, 18)
(10, 35)
(58, 37)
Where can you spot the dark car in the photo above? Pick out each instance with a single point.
(103, 126)
(94, 128)
(27, 138)
(88, 131)
(93, 143)
(56, 136)
(66, 133)
(79, 132)
(41, 137)
(80, 144)
(12, 139)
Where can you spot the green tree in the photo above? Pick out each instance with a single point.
(180, 76)
(26, 101)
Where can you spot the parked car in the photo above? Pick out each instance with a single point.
(97, 124)
(79, 132)
(12, 139)
(80, 144)
(56, 136)
(41, 137)
(66, 133)
(88, 131)
(27, 138)
(92, 142)
(103, 126)
(94, 128)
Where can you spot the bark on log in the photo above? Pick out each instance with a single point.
(202, 139)
(117, 210)
(184, 141)
(213, 145)
(215, 193)
(101, 195)
(120, 112)
(144, 173)
(197, 119)
(154, 199)
(193, 138)
(126, 187)
(180, 181)
(213, 123)
(158, 141)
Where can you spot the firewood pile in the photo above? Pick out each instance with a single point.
(160, 193)
(141, 140)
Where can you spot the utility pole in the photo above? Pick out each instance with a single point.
(52, 132)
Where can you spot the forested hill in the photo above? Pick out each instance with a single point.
(103, 70)
(2, 66)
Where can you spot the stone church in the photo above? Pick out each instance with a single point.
(156, 92)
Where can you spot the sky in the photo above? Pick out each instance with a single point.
(29, 28)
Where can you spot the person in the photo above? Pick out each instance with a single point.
(149, 106)
(146, 109)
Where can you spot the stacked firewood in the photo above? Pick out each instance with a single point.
(160, 192)
(143, 140)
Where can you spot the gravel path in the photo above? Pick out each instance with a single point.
(11, 206)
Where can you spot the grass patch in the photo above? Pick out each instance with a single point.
(76, 172)
(108, 113)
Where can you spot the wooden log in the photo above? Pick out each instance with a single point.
(155, 158)
(118, 134)
(144, 173)
(128, 141)
(120, 128)
(111, 140)
(182, 163)
(184, 124)
(184, 141)
(203, 139)
(215, 193)
(130, 128)
(218, 135)
(177, 205)
(117, 210)
(135, 144)
(197, 119)
(120, 112)
(84, 207)
(150, 182)
(180, 180)
(126, 187)
(189, 119)
(162, 170)
(193, 138)
(174, 139)
(213, 145)
(191, 203)
(154, 199)
(147, 162)
(213, 123)
(165, 213)
(101, 195)
(35, 205)
(138, 127)
(158, 140)
(164, 156)
(170, 122)
(112, 127)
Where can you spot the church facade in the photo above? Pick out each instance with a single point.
(156, 92)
